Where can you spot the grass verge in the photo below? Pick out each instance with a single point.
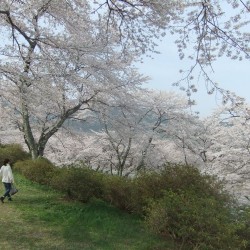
(40, 218)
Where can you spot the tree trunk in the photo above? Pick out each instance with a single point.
(26, 128)
(141, 164)
(37, 148)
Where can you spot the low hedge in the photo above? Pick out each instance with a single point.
(118, 192)
(40, 170)
(202, 222)
(178, 202)
(78, 183)
(14, 152)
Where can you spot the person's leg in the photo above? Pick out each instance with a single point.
(7, 189)
(3, 197)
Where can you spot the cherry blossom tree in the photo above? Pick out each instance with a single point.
(190, 137)
(59, 57)
(57, 61)
(134, 126)
(228, 155)
(131, 136)
(205, 30)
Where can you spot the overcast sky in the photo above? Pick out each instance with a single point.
(164, 70)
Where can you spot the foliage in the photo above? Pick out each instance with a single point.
(188, 217)
(14, 152)
(151, 186)
(182, 204)
(132, 194)
(131, 130)
(182, 177)
(178, 203)
(39, 170)
(81, 184)
(58, 67)
(64, 57)
(244, 219)
(41, 219)
(117, 191)
(228, 133)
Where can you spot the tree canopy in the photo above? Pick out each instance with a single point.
(61, 57)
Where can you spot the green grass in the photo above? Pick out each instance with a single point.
(40, 218)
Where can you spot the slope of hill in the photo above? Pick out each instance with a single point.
(40, 218)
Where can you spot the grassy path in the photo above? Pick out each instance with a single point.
(39, 218)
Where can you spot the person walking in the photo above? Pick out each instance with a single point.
(7, 179)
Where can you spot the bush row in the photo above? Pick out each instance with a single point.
(14, 152)
(132, 195)
(178, 202)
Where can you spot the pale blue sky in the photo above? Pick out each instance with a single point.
(164, 70)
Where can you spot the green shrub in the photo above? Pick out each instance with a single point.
(152, 185)
(244, 231)
(132, 195)
(40, 170)
(200, 221)
(178, 202)
(79, 183)
(14, 152)
(118, 192)
(183, 177)
(145, 187)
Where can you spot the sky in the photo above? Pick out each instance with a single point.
(164, 68)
